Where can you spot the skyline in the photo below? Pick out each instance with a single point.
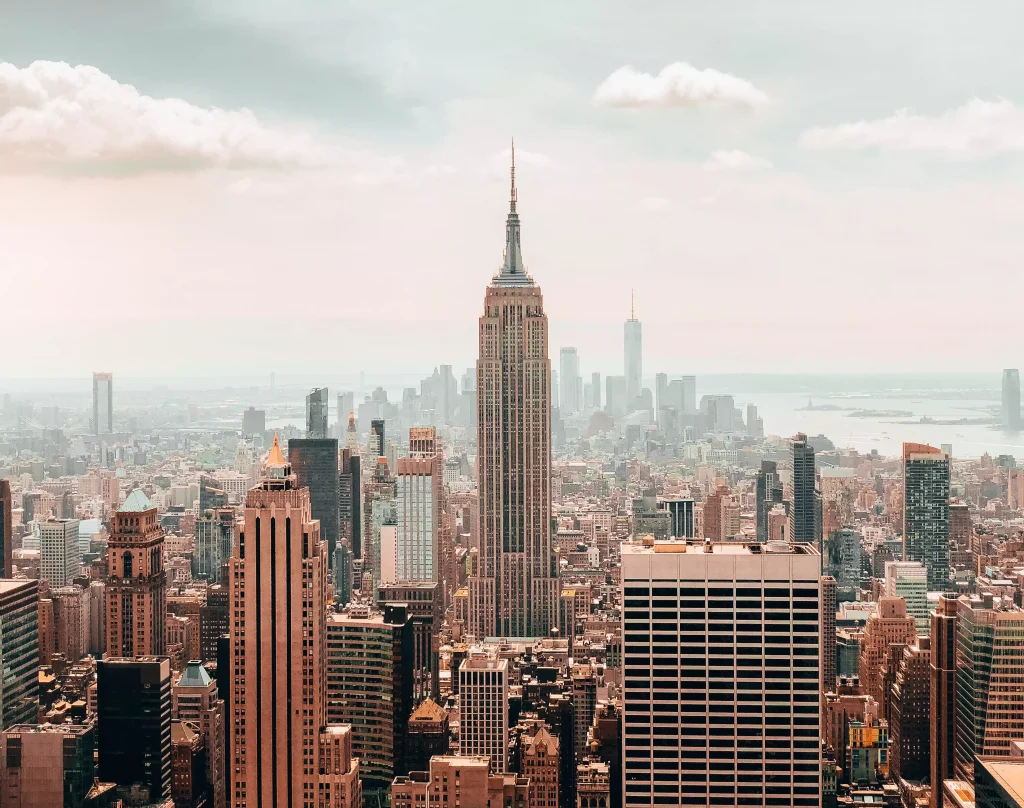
(697, 175)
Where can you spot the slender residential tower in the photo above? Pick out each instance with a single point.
(515, 593)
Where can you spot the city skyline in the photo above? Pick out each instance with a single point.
(679, 190)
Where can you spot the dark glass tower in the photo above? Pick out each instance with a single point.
(802, 519)
(316, 413)
(315, 464)
(19, 649)
(6, 549)
(926, 511)
(350, 502)
(769, 493)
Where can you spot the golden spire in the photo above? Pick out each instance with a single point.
(276, 456)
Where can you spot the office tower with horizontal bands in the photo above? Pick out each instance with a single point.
(102, 403)
(801, 518)
(483, 710)
(926, 511)
(60, 559)
(418, 513)
(278, 586)
(133, 698)
(19, 650)
(721, 674)
(136, 589)
(315, 464)
(316, 414)
(515, 593)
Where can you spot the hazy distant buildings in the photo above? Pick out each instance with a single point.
(926, 511)
(136, 589)
(802, 516)
(633, 355)
(615, 398)
(721, 675)
(254, 421)
(102, 403)
(1010, 411)
(595, 386)
(568, 375)
(515, 592)
(316, 414)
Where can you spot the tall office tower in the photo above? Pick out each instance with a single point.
(133, 721)
(215, 540)
(910, 704)
(447, 394)
(254, 421)
(689, 390)
(661, 398)
(102, 403)
(377, 428)
(568, 373)
(926, 511)
(136, 588)
(418, 514)
(515, 592)
(801, 518)
(595, 383)
(342, 575)
(278, 579)
(60, 559)
(6, 530)
(424, 604)
(369, 686)
(1010, 411)
(97, 621)
(213, 620)
(942, 671)
(350, 500)
(19, 647)
(720, 674)
(195, 699)
(47, 766)
(989, 679)
(768, 494)
(828, 634)
(633, 354)
(890, 624)
(615, 399)
(315, 464)
(316, 414)
(483, 710)
(681, 514)
(909, 580)
(346, 405)
(71, 621)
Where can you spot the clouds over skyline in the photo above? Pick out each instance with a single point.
(735, 160)
(679, 84)
(974, 131)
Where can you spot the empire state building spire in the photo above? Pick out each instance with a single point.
(513, 272)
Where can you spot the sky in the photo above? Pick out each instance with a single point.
(236, 187)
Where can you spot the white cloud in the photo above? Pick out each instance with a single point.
(734, 160)
(51, 112)
(677, 85)
(974, 131)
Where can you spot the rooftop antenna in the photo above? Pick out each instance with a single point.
(632, 306)
(513, 173)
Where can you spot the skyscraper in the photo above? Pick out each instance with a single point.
(661, 400)
(768, 493)
(133, 721)
(19, 647)
(633, 354)
(6, 530)
(942, 671)
(1010, 411)
(47, 766)
(316, 414)
(59, 557)
(483, 710)
(721, 674)
(346, 406)
(215, 538)
(195, 698)
(595, 384)
(515, 593)
(568, 375)
(136, 589)
(418, 512)
(278, 643)
(315, 463)
(102, 403)
(926, 511)
(802, 521)
(350, 500)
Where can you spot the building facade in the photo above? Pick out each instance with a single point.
(926, 511)
(483, 710)
(19, 649)
(802, 517)
(60, 558)
(314, 462)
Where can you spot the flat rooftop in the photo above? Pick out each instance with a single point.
(735, 548)
(1009, 775)
(14, 584)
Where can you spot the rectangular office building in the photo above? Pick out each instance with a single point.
(721, 668)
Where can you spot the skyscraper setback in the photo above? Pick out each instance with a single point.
(515, 593)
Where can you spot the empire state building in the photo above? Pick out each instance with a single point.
(515, 590)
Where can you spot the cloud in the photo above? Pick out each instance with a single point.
(53, 113)
(974, 131)
(677, 85)
(734, 160)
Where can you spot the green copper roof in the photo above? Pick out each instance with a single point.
(137, 502)
(194, 675)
